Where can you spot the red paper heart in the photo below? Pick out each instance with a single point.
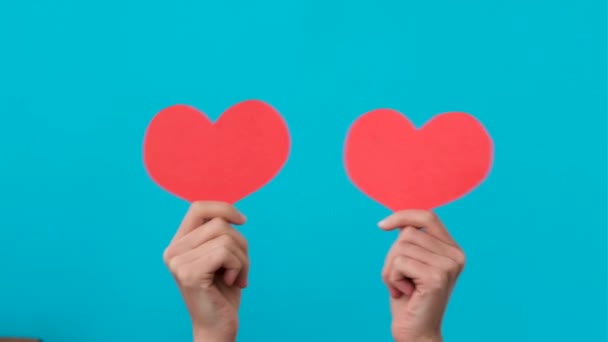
(401, 167)
(195, 159)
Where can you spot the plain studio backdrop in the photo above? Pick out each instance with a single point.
(82, 226)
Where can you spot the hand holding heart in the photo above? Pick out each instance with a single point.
(209, 261)
(420, 271)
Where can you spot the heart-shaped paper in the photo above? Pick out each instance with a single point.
(196, 159)
(402, 167)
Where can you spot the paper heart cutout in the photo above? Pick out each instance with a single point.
(196, 159)
(402, 167)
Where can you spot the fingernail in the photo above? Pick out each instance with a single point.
(382, 223)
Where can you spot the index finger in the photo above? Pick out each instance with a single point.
(419, 219)
(201, 212)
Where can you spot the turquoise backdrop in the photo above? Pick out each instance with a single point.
(82, 227)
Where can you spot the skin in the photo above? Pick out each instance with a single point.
(209, 261)
(420, 271)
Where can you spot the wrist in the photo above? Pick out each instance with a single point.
(419, 338)
(436, 338)
(201, 335)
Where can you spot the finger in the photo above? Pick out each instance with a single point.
(394, 292)
(398, 288)
(420, 219)
(403, 278)
(200, 212)
(423, 276)
(241, 277)
(410, 235)
(227, 260)
(202, 270)
(230, 276)
(425, 256)
(207, 232)
(220, 242)
(242, 280)
(404, 287)
(404, 268)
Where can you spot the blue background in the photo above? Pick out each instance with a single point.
(82, 227)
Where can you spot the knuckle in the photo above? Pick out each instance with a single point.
(437, 280)
(429, 216)
(460, 257)
(224, 240)
(181, 274)
(173, 264)
(400, 260)
(186, 277)
(386, 269)
(222, 207)
(167, 255)
(199, 206)
(218, 223)
(202, 208)
(223, 253)
(408, 234)
(451, 268)
(385, 275)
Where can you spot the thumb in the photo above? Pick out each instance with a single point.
(390, 222)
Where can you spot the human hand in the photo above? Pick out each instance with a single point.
(420, 271)
(208, 259)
